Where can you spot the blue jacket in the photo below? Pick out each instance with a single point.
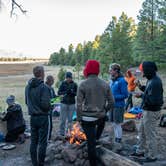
(119, 91)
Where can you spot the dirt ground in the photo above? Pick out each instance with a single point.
(21, 156)
(13, 80)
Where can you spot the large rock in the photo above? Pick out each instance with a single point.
(69, 155)
(129, 126)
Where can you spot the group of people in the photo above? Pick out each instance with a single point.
(93, 100)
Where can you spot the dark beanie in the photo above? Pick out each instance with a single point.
(68, 75)
(91, 67)
(149, 69)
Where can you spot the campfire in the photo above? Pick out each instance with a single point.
(75, 135)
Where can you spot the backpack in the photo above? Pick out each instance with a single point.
(163, 121)
(135, 110)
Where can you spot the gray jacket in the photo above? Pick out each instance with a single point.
(94, 98)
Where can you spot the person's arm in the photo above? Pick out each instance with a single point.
(154, 94)
(7, 116)
(110, 100)
(62, 90)
(73, 91)
(45, 99)
(80, 99)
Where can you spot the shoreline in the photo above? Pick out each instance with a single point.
(24, 62)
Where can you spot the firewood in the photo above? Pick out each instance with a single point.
(109, 158)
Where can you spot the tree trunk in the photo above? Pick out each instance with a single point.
(109, 158)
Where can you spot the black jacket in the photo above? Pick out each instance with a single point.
(37, 97)
(153, 91)
(14, 117)
(69, 91)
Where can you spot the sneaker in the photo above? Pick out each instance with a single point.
(118, 140)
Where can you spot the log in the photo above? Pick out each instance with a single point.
(109, 158)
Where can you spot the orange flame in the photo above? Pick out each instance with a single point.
(75, 135)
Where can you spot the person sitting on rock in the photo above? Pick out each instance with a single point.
(15, 121)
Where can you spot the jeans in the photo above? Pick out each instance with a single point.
(39, 136)
(66, 114)
(93, 131)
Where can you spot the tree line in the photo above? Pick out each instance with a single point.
(123, 41)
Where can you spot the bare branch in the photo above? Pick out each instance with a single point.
(16, 5)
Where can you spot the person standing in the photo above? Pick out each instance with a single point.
(67, 91)
(49, 82)
(94, 99)
(118, 86)
(152, 100)
(37, 99)
(129, 77)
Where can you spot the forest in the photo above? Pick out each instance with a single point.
(123, 41)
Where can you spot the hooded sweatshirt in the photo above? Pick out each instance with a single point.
(153, 93)
(14, 117)
(37, 97)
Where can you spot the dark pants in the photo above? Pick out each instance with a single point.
(93, 131)
(39, 137)
(13, 135)
(50, 121)
(129, 102)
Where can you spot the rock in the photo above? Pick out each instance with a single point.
(58, 156)
(129, 126)
(69, 155)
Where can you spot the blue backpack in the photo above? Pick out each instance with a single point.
(135, 110)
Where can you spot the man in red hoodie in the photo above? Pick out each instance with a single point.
(94, 99)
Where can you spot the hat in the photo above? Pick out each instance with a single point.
(115, 66)
(91, 67)
(140, 67)
(10, 100)
(68, 75)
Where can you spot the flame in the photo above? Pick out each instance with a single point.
(75, 135)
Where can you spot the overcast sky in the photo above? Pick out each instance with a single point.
(52, 24)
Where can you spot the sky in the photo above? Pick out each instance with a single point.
(52, 24)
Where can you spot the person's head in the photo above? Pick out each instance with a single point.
(91, 67)
(38, 72)
(50, 80)
(69, 76)
(10, 100)
(149, 69)
(114, 70)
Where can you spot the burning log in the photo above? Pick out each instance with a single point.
(109, 158)
(75, 135)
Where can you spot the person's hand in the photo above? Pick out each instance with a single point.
(137, 82)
